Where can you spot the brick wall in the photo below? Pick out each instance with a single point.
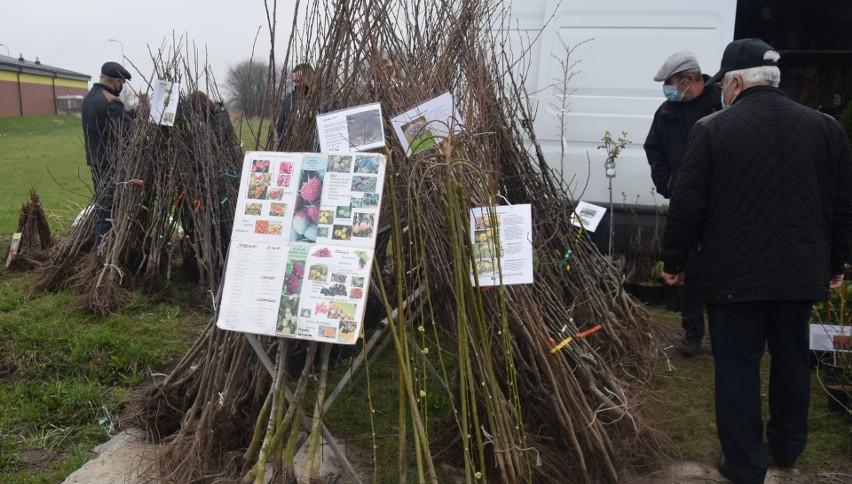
(37, 93)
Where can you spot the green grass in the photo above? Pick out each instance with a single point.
(64, 374)
(248, 129)
(46, 153)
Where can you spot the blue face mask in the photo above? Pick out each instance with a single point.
(672, 94)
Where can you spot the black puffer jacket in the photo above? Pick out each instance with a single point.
(666, 141)
(766, 189)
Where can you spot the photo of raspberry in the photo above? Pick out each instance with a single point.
(311, 189)
(313, 212)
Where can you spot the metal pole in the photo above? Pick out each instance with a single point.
(122, 49)
(7, 50)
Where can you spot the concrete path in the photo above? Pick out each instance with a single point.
(126, 459)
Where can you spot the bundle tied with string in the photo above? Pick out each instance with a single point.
(172, 191)
(36, 237)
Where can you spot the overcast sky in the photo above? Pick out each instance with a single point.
(74, 34)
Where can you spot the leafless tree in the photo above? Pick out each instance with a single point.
(244, 86)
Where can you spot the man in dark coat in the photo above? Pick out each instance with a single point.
(105, 123)
(688, 98)
(296, 104)
(766, 190)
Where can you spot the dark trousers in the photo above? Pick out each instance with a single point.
(739, 335)
(103, 224)
(691, 304)
(103, 204)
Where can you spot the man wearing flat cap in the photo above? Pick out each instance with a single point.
(689, 97)
(766, 190)
(105, 124)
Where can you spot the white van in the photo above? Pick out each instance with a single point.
(615, 47)
(618, 45)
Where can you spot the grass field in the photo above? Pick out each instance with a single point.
(46, 153)
(63, 374)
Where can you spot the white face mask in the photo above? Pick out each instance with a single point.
(725, 105)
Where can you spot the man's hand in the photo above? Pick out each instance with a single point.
(834, 282)
(675, 279)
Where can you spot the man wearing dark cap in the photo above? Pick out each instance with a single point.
(688, 98)
(105, 123)
(766, 190)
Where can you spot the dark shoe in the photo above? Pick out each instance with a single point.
(728, 473)
(781, 462)
(724, 469)
(688, 346)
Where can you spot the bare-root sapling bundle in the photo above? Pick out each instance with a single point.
(523, 410)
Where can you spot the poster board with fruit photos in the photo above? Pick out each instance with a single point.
(302, 245)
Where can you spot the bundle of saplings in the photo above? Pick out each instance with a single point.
(523, 409)
(172, 190)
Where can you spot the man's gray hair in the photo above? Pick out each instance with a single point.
(695, 72)
(769, 75)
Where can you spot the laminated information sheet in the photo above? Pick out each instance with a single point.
(428, 124)
(587, 216)
(302, 245)
(353, 129)
(830, 337)
(13, 250)
(164, 102)
(502, 245)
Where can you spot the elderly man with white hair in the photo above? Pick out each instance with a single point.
(765, 190)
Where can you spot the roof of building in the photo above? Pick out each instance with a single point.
(35, 67)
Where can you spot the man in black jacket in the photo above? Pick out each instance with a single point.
(688, 98)
(105, 122)
(296, 104)
(766, 189)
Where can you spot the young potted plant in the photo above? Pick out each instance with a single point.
(837, 363)
(832, 334)
(642, 264)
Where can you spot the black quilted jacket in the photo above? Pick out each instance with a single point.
(766, 190)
